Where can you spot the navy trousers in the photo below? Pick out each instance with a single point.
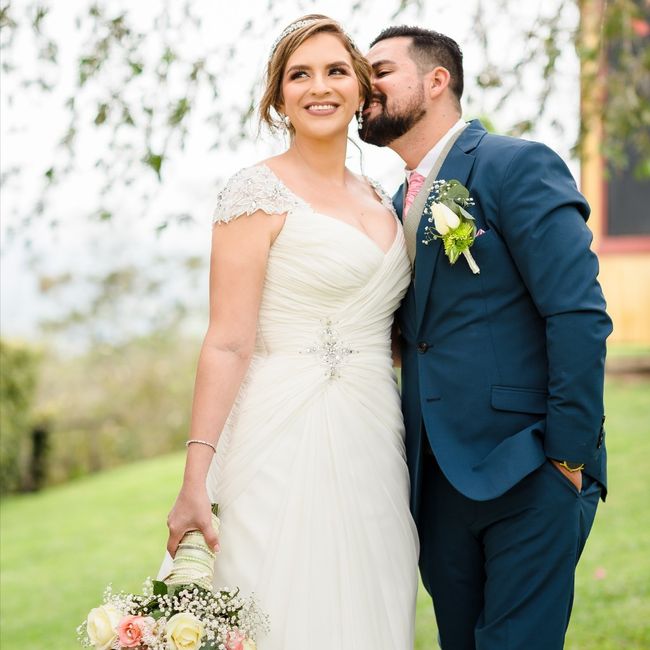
(501, 572)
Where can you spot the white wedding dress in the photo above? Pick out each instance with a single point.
(310, 472)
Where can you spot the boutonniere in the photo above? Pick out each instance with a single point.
(451, 221)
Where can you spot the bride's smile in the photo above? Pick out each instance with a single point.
(321, 109)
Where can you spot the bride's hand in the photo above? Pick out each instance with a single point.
(192, 511)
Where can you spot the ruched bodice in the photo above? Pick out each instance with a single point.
(325, 278)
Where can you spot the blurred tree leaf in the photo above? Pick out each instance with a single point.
(154, 161)
(114, 50)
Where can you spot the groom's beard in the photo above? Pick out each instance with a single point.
(386, 127)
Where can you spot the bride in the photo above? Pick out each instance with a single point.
(295, 388)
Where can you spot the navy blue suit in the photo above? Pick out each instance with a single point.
(500, 372)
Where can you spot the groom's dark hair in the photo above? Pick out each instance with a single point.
(429, 49)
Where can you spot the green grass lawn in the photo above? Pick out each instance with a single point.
(60, 548)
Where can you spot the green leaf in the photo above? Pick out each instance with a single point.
(464, 213)
(127, 118)
(179, 111)
(155, 162)
(136, 67)
(41, 12)
(456, 190)
(159, 588)
(102, 114)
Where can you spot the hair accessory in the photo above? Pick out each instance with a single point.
(289, 30)
(298, 25)
(201, 442)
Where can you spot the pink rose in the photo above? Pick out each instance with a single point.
(130, 631)
(235, 641)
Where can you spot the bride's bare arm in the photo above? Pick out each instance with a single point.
(237, 269)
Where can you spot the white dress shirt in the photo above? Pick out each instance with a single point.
(429, 160)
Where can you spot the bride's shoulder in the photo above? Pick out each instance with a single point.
(377, 189)
(248, 190)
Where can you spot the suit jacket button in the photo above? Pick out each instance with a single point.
(423, 346)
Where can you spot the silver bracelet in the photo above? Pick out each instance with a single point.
(201, 442)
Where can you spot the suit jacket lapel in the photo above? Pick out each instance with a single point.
(456, 165)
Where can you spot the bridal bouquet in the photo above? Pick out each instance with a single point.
(180, 613)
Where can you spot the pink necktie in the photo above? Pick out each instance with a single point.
(416, 181)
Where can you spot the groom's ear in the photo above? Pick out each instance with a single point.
(437, 81)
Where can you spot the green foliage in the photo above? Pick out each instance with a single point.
(18, 377)
(112, 404)
(117, 403)
(159, 588)
(626, 86)
(111, 528)
(146, 130)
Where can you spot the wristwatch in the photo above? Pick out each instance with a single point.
(572, 467)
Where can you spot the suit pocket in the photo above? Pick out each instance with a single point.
(487, 237)
(520, 400)
(554, 471)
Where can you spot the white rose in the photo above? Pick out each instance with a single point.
(184, 632)
(444, 218)
(249, 644)
(101, 626)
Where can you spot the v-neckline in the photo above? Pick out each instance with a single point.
(347, 224)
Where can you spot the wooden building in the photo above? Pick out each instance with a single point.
(620, 201)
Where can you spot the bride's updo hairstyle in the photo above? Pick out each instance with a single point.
(293, 36)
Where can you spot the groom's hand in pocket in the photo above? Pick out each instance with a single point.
(574, 477)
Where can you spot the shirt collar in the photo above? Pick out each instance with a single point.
(429, 160)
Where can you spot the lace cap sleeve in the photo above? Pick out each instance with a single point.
(386, 200)
(251, 189)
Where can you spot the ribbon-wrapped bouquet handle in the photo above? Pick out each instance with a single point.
(194, 559)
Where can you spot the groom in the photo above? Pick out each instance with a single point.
(503, 370)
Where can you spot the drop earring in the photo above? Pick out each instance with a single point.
(360, 118)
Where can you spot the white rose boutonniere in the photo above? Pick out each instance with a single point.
(451, 221)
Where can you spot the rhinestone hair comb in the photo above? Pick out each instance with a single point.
(298, 25)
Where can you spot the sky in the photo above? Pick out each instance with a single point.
(31, 127)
